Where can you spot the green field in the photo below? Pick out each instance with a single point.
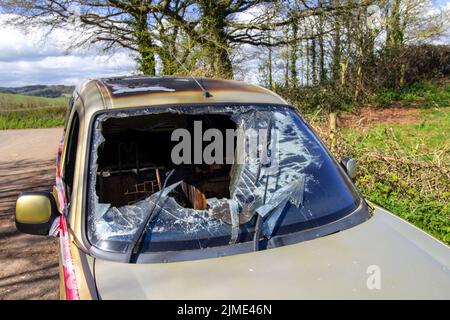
(405, 168)
(427, 138)
(401, 142)
(21, 111)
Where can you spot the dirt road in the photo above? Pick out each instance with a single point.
(28, 264)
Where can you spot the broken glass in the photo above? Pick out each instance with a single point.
(286, 171)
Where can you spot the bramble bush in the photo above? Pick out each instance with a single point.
(397, 178)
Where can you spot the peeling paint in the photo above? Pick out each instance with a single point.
(120, 89)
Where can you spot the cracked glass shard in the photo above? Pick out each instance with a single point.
(272, 211)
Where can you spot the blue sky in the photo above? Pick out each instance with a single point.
(27, 59)
(440, 3)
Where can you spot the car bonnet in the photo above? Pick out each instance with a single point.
(382, 258)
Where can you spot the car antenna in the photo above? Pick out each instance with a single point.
(206, 93)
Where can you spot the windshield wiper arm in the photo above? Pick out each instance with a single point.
(259, 219)
(140, 234)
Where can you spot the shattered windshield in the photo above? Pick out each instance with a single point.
(231, 164)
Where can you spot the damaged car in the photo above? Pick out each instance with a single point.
(186, 188)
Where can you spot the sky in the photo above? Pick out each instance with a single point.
(440, 3)
(29, 58)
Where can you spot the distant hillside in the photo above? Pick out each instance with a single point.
(10, 101)
(51, 91)
(24, 111)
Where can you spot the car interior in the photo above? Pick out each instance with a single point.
(136, 155)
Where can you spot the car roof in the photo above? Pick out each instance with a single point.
(134, 91)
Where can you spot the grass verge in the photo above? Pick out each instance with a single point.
(403, 167)
(20, 111)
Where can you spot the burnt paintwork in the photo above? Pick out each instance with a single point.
(145, 85)
(412, 264)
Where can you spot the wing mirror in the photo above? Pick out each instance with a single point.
(35, 212)
(349, 165)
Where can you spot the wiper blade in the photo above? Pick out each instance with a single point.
(259, 219)
(136, 242)
(272, 211)
(294, 196)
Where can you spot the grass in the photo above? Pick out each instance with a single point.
(420, 153)
(427, 136)
(427, 94)
(424, 211)
(403, 156)
(20, 111)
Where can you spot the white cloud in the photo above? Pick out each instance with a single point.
(30, 58)
(68, 70)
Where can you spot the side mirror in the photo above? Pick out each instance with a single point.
(349, 165)
(35, 212)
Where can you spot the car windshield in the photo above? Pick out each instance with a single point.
(231, 164)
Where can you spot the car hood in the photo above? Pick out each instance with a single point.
(382, 258)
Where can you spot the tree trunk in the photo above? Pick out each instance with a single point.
(169, 64)
(214, 39)
(321, 48)
(302, 64)
(146, 49)
(333, 130)
(294, 52)
(313, 61)
(394, 41)
(343, 71)
(286, 57)
(172, 58)
(358, 84)
(337, 46)
(308, 64)
(360, 56)
(222, 65)
(270, 65)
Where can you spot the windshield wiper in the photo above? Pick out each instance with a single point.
(259, 219)
(140, 234)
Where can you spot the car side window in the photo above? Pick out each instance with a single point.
(69, 163)
(68, 111)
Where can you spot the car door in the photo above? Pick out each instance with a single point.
(65, 172)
